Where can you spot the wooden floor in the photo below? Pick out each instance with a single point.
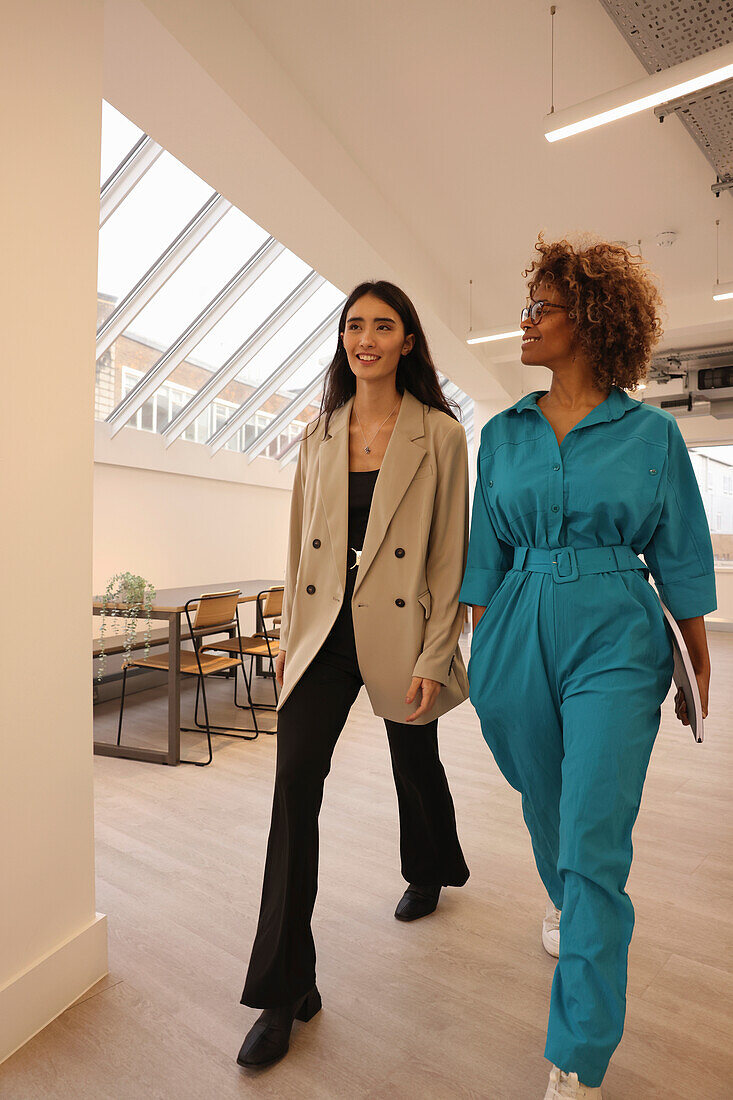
(451, 1006)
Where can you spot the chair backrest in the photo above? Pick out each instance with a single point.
(272, 605)
(216, 609)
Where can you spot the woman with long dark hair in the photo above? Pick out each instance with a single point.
(570, 659)
(377, 548)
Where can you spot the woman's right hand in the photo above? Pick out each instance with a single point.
(280, 667)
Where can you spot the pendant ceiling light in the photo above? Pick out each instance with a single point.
(677, 82)
(486, 336)
(722, 292)
(490, 335)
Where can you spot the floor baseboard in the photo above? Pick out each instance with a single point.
(46, 989)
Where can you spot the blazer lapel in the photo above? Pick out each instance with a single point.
(399, 465)
(333, 483)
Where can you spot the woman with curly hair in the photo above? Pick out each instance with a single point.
(570, 659)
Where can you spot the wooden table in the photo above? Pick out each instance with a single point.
(169, 604)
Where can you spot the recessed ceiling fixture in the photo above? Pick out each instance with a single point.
(721, 291)
(676, 82)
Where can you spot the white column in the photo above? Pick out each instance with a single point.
(52, 943)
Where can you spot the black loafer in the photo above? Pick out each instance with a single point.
(269, 1038)
(417, 901)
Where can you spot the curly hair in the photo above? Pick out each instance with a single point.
(612, 302)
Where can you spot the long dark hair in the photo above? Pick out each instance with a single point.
(416, 371)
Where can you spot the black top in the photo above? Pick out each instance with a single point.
(361, 489)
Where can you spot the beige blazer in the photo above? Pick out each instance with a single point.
(407, 618)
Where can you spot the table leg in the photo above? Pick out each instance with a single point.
(174, 689)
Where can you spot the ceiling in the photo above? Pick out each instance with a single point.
(663, 34)
(441, 106)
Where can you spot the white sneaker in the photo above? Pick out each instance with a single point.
(551, 930)
(566, 1086)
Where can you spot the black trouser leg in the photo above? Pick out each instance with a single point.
(283, 962)
(429, 846)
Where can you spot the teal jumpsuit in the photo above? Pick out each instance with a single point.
(571, 662)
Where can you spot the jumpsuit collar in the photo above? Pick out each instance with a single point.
(613, 407)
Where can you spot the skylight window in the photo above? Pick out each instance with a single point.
(208, 329)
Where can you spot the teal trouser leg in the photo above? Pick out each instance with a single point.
(608, 741)
(614, 673)
(568, 682)
(522, 727)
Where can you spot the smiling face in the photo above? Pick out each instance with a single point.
(374, 338)
(551, 341)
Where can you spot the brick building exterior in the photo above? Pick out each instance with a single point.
(128, 359)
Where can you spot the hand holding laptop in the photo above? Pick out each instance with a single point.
(688, 704)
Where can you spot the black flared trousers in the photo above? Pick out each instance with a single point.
(282, 967)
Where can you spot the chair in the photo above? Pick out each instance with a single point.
(264, 643)
(215, 612)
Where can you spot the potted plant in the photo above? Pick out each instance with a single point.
(126, 595)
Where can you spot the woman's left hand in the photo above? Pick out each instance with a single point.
(430, 692)
(680, 706)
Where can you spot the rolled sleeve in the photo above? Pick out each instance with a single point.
(680, 552)
(489, 559)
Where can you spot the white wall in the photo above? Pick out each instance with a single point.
(52, 945)
(176, 529)
(724, 589)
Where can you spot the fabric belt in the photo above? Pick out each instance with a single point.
(567, 564)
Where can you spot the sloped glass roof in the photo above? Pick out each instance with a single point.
(118, 137)
(208, 328)
(153, 214)
(213, 263)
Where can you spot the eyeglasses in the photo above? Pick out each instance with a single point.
(536, 311)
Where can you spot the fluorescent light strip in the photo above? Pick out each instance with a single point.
(489, 337)
(673, 83)
(722, 292)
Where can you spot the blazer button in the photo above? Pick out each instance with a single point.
(400, 603)
(399, 552)
(310, 589)
(317, 543)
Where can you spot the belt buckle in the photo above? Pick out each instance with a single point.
(564, 565)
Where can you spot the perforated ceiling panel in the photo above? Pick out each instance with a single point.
(665, 34)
